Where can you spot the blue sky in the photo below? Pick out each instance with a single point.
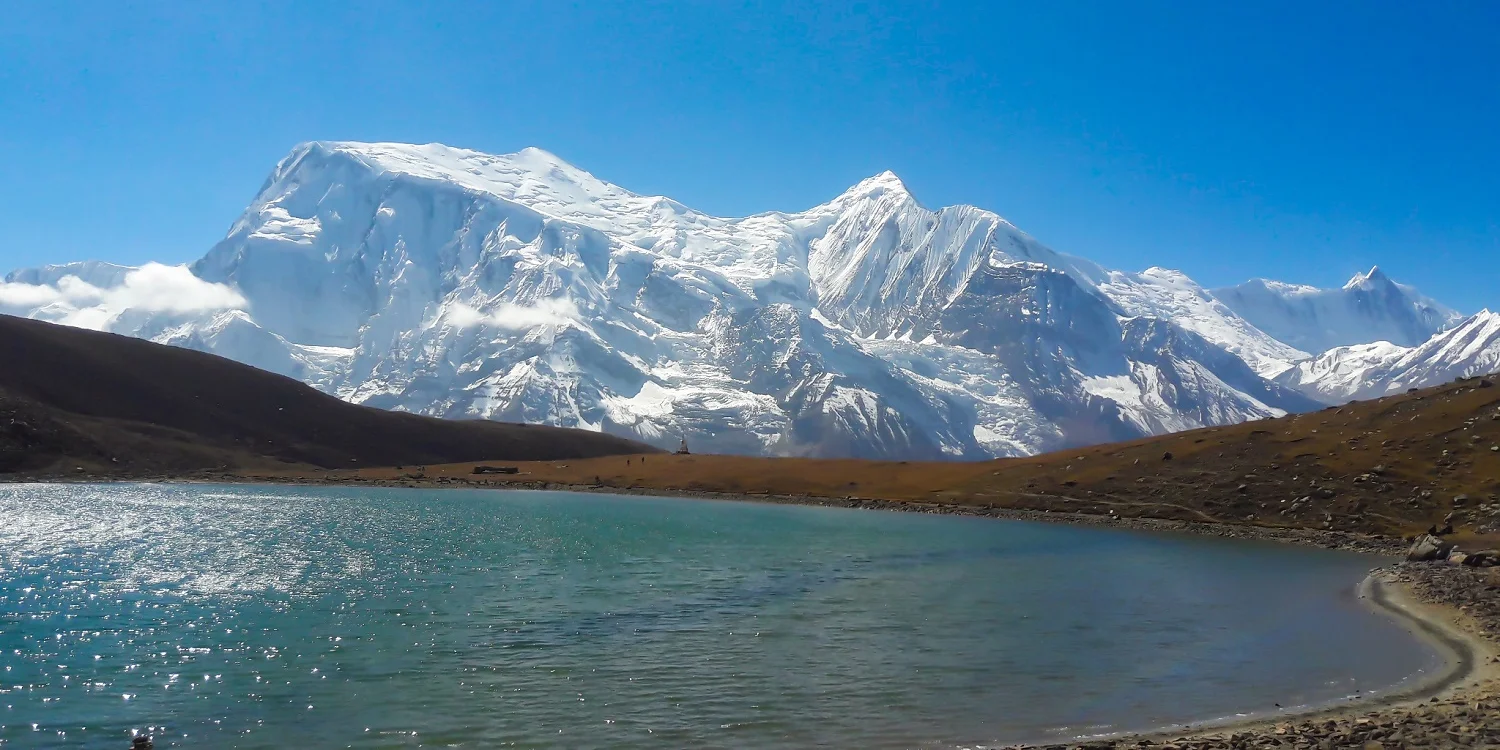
(1301, 141)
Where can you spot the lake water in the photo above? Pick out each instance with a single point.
(278, 617)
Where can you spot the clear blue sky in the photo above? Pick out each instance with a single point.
(1302, 141)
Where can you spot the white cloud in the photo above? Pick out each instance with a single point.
(26, 295)
(513, 317)
(151, 288)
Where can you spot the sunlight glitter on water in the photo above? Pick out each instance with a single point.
(268, 617)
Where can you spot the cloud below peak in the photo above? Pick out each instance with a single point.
(513, 317)
(154, 287)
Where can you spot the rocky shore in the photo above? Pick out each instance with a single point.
(1459, 716)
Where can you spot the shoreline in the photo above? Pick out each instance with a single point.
(1470, 675)
(1470, 671)
(1307, 537)
(1327, 539)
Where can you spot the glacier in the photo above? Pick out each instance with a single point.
(454, 283)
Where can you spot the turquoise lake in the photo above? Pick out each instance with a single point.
(277, 617)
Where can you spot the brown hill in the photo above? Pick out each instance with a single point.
(72, 398)
(1391, 466)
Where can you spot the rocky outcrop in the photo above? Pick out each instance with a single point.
(1428, 548)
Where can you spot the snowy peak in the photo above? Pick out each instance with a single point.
(1484, 318)
(882, 185)
(1373, 280)
(1472, 347)
(1370, 307)
(532, 177)
(93, 272)
(538, 156)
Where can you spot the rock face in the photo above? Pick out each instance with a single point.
(454, 283)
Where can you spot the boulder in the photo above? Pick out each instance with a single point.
(1482, 559)
(1428, 547)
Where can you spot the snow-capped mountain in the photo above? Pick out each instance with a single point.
(455, 283)
(1371, 370)
(1369, 308)
(95, 273)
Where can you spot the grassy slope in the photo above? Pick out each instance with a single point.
(1390, 466)
(106, 402)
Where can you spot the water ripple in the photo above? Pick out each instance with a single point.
(256, 617)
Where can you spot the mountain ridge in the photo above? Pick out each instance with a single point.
(1373, 370)
(110, 403)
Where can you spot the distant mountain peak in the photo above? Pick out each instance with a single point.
(460, 165)
(1482, 318)
(1370, 307)
(885, 183)
(541, 154)
(1369, 280)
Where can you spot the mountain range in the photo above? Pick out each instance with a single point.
(452, 283)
